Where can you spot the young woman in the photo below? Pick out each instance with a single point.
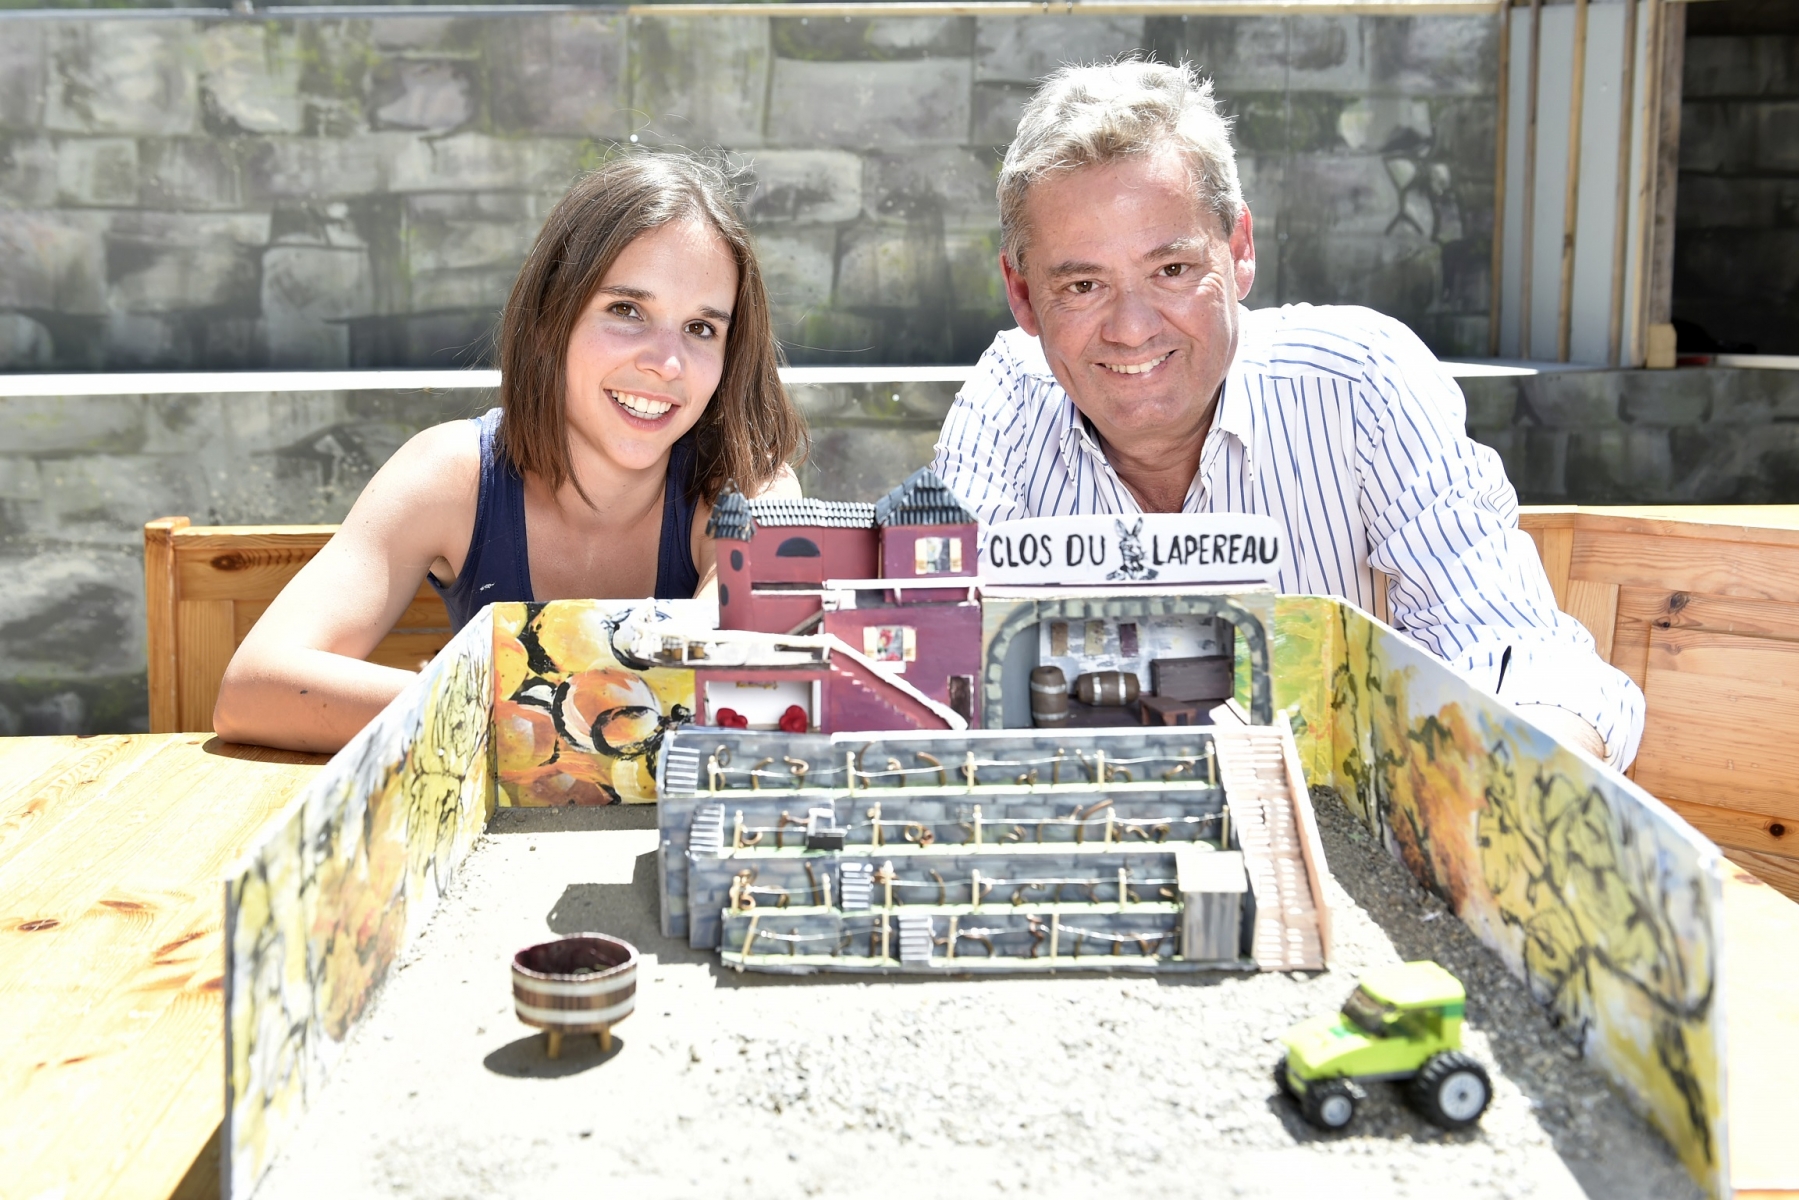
(638, 378)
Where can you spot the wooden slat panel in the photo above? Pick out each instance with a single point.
(409, 651)
(1688, 565)
(205, 636)
(1557, 549)
(160, 596)
(1630, 632)
(1723, 723)
(425, 614)
(1594, 605)
(1726, 614)
(1734, 829)
(251, 573)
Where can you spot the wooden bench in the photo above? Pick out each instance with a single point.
(1699, 605)
(206, 585)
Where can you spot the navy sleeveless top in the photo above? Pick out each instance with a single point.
(498, 565)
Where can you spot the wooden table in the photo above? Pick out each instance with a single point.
(113, 852)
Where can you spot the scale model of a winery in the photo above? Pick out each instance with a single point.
(1135, 820)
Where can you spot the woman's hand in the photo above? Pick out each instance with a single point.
(299, 680)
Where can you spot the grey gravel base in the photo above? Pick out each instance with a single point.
(768, 1086)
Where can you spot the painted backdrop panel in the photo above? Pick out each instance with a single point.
(1590, 889)
(319, 913)
(577, 718)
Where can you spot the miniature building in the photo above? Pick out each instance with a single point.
(791, 566)
(1139, 849)
(775, 555)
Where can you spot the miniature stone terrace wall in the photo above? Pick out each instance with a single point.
(1583, 884)
(357, 187)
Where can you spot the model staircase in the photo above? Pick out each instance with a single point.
(708, 834)
(1266, 819)
(874, 689)
(855, 886)
(681, 771)
(915, 941)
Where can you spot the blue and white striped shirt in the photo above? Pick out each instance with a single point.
(1340, 424)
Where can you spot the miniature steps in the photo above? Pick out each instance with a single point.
(1253, 768)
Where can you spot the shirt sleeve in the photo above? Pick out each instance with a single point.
(974, 458)
(1466, 582)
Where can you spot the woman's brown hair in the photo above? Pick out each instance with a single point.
(749, 429)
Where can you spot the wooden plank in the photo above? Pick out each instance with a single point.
(408, 651)
(425, 614)
(160, 596)
(247, 573)
(1727, 614)
(255, 537)
(1557, 548)
(1594, 605)
(1723, 722)
(111, 1084)
(1775, 834)
(205, 639)
(1759, 979)
(1688, 565)
(37, 807)
(1630, 635)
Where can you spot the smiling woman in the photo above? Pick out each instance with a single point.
(639, 376)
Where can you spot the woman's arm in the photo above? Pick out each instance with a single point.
(299, 680)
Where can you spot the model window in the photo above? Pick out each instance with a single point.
(797, 547)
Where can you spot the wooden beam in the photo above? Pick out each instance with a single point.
(1564, 313)
(1527, 250)
(1494, 298)
(1621, 199)
(160, 598)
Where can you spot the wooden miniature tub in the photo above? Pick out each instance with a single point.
(583, 983)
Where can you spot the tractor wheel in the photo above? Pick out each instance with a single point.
(1280, 1078)
(1330, 1104)
(1452, 1090)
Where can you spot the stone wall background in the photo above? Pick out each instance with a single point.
(329, 190)
(1736, 243)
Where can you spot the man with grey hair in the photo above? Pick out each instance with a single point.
(1137, 381)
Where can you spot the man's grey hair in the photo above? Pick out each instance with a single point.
(1087, 116)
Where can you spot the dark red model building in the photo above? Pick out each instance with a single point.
(798, 567)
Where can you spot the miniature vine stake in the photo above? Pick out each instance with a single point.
(977, 824)
(1124, 893)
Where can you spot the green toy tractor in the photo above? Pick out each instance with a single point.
(1401, 1023)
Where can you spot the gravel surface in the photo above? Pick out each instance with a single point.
(755, 1086)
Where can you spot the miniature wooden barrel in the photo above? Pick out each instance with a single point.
(1049, 696)
(1107, 689)
(556, 986)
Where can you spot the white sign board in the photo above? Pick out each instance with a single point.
(1158, 548)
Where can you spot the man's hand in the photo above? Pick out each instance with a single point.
(1566, 728)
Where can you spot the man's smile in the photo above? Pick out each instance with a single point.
(1142, 368)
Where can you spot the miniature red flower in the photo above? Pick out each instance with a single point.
(794, 720)
(730, 718)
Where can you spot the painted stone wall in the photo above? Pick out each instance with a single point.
(328, 190)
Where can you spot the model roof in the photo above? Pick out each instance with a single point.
(829, 514)
(730, 517)
(923, 499)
